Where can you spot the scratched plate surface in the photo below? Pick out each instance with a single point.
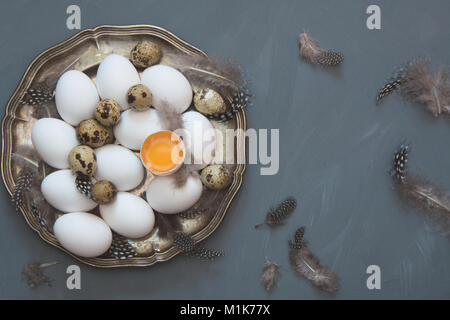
(84, 51)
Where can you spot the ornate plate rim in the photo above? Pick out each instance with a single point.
(28, 77)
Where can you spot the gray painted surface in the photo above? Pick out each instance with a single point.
(336, 148)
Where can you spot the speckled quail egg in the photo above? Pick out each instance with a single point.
(139, 97)
(82, 160)
(103, 192)
(216, 177)
(209, 101)
(107, 112)
(92, 133)
(145, 54)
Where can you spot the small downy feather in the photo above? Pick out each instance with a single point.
(311, 52)
(183, 173)
(210, 71)
(33, 274)
(170, 119)
(305, 263)
(270, 275)
(419, 192)
(166, 224)
(277, 216)
(430, 90)
(224, 75)
(416, 83)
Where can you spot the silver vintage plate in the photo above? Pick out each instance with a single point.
(83, 52)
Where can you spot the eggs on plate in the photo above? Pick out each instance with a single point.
(83, 234)
(53, 139)
(60, 191)
(75, 97)
(134, 126)
(120, 166)
(78, 99)
(128, 215)
(115, 75)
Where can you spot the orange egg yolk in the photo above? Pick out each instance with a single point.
(162, 151)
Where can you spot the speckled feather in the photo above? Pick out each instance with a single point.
(277, 216)
(120, 248)
(23, 185)
(419, 192)
(311, 52)
(306, 264)
(187, 244)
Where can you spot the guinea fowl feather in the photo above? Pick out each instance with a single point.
(210, 71)
(305, 263)
(311, 52)
(421, 193)
(417, 83)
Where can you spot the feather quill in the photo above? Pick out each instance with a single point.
(421, 193)
(277, 216)
(311, 52)
(225, 76)
(222, 74)
(305, 263)
(169, 118)
(417, 83)
(430, 90)
(270, 275)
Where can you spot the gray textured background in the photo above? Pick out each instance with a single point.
(336, 148)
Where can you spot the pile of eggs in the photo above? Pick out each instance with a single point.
(103, 127)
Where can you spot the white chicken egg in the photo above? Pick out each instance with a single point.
(76, 97)
(120, 166)
(53, 139)
(134, 126)
(200, 139)
(163, 195)
(83, 234)
(128, 215)
(115, 75)
(60, 191)
(168, 85)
